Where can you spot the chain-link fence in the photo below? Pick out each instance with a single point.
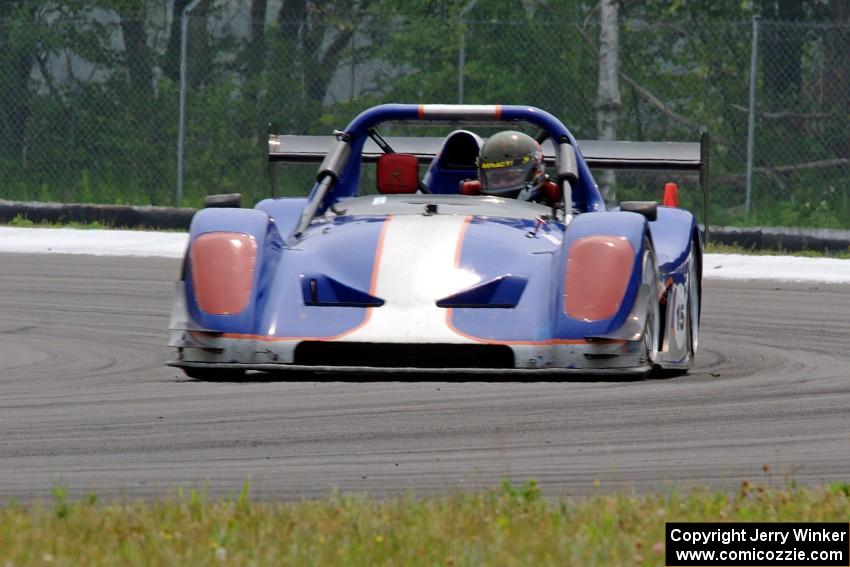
(89, 96)
(801, 125)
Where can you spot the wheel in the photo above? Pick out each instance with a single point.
(693, 304)
(692, 301)
(214, 374)
(652, 327)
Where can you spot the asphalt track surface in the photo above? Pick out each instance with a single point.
(87, 403)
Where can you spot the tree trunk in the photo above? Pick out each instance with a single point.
(782, 50)
(319, 32)
(292, 20)
(16, 62)
(136, 51)
(199, 48)
(253, 64)
(836, 88)
(199, 55)
(608, 91)
(256, 53)
(171, 57)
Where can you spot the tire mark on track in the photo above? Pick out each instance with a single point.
(87, 402)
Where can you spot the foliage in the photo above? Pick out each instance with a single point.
(713, 248)
(90, 97)
(513, 525)
(22, 222)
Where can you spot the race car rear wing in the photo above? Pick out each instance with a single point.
(599, 154)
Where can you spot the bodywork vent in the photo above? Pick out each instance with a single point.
(392, 355)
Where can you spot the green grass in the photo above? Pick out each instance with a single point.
(511, 525)
(713, 248)
(23, 222)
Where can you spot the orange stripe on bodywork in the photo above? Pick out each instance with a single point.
(460, 239)
(498, 112)
(223, 271)
(379, 249)
(421, 112)
(458, 250)
(598, 271)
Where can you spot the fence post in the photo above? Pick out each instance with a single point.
(181, 130)
(461, 53)
(751, 118)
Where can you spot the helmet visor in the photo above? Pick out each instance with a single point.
(500, 178)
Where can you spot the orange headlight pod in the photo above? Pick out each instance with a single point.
(598, 271)
(223, 271)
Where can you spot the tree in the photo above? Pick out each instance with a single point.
(608, 92)
(516, 53)
(782, 52)
(137, 54)
(256, 51)
(317, 34)
(17, 57)
(199, 50)
(836, 87)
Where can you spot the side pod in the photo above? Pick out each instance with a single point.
(228, 265)
(672, 234)
(602, 275)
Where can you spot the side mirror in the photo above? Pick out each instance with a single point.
(223, 200)
(649, 209)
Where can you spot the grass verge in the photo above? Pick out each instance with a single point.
(23, 222)
(713, 248)
(511, 525)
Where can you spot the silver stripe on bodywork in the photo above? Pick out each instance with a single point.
(416, 268)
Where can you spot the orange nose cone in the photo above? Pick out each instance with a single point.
(671, 195)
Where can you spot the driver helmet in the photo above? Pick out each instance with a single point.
(510, 165)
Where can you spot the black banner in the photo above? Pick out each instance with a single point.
(762, 544)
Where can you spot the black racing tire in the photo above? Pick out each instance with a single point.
(214, 374)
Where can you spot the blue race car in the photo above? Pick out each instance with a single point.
(430, 275)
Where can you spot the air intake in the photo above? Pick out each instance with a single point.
(391, 355)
